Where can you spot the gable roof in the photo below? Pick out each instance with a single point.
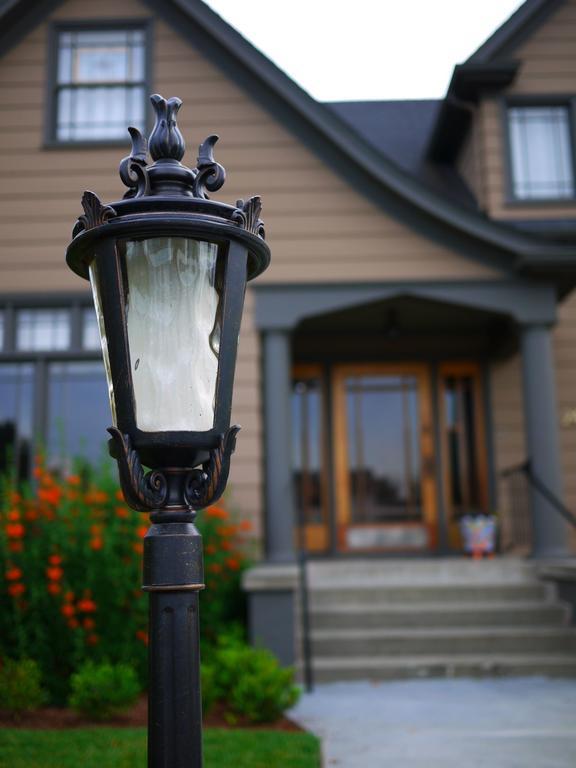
(343, 148)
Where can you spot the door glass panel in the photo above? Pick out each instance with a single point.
(307, 449)
(464, 486)
(384, 459)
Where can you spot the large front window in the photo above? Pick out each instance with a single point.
(100, 84)
(53, 394)
(541, 155)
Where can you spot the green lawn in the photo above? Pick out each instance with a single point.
(125, 748)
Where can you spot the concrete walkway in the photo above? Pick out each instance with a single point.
(502, 723)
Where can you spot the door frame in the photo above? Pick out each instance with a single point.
(423, 373)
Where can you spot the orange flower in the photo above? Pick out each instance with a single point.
(73, 623)
(54, 573)
(92, 639)
(96, 497)
(50, 495)
(14, 530)
(215, 568)
(16, 589)
(122, 512)
(13, 574)
(119, 495)
(38, 472)
(86, 605)
(55, 559)
(54, 588)
(68, 610)
(226, 546)
(69, 596)
(233, 564)
(15, 546)
(245, 525)
(142, 530)
(210, 549)
(88, 623)
(142, 635)
(138, 547)
(96, 544)
(13, 515)
(31, 514)
(95, 530)
(217, 512)
(15, 497)
(73, 480)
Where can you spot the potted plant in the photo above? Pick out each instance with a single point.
(478, 531)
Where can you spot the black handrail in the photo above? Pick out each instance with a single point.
(538, 484)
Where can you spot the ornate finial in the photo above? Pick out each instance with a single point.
(95, 213)
(132, 169)
(211, 175)
(247, 216)
(166, 142)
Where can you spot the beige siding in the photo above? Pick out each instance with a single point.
(470, 160)
(319, 228)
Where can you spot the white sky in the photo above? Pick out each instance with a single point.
(367, 49)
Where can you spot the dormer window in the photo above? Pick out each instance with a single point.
(99, 84)
(541, 156)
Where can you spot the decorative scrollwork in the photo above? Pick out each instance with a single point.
(247, 216)
(95, 213)
(143, 491)
(210, 175)
(205, 486)
(133, 171)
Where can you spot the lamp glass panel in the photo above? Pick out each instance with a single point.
(95, 283)
(172, 317)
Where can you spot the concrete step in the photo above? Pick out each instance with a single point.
(408, 571)
(381, 596)
(483, 640)
(444, 665)
(421, 615)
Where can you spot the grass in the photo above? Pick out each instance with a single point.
(126, 748)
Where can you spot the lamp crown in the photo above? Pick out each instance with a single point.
(167, 175)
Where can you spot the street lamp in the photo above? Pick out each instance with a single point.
(168, 269)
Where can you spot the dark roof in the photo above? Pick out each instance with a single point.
(344, 149)
(401, 130)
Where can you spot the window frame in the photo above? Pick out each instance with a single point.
(51, 141)
(40, 360)
(537, 100)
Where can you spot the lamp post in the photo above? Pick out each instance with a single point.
(168, 269)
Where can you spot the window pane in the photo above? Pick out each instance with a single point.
(42, 329)
(541, 152)
(89, 103)
(16, 418)
(78, 412)
(90, 333)
(99, 113)
(307, 449)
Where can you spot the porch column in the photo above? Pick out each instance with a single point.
(279, 496)
(542, 441)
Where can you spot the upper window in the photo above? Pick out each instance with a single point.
(541, 152)
(100, 84)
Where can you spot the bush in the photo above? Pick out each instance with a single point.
(101, 691)
(70, 575)
(251, 683)
(20, 686)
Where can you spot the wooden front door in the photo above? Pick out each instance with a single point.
(383, 446)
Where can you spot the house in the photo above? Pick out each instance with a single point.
(413, 337)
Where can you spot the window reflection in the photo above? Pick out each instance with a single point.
(16, 418)
(42, 329)
(464, 485)
(78, 412)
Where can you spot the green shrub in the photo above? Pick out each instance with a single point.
(20, 686)
(209, 690)
(70, 575)
(251, 683)
(101, 691)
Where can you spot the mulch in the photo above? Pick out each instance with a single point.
(58, 719)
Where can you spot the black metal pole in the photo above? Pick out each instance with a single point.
(173, 575)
